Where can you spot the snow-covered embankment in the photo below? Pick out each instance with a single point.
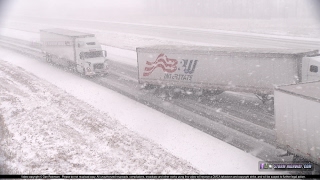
(44, 130)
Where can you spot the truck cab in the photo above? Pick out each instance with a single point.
(91, 58)
(74, 50)
(311, 69)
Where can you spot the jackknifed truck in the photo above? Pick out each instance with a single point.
(297, 118)
(214, 70)
(76, 50)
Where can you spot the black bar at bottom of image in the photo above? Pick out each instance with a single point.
(185, 176)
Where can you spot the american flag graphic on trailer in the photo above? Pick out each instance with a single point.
(163, 62)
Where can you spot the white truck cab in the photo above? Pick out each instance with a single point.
(76, 50)
(91, 58)
(311, 69)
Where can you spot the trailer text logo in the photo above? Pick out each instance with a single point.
(57, 43)
(162, 61)
(182, 71)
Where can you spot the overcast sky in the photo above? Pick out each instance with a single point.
(49, 7)
(99, 9)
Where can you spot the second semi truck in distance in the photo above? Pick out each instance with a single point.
(76, 50)
(217, 69)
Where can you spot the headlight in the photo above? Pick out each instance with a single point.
(88, 69)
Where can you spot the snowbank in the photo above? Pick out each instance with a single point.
(44, 130)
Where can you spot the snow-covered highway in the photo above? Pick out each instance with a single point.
(236, 119)
(202, 151)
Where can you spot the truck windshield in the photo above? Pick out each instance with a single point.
(93, 54)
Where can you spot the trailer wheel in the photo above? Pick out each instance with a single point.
(103, 75)
(48, 58)
(211, 92)
(70, 66)
(160, 92)
(74, 69)
(148, 86)
(174, 92)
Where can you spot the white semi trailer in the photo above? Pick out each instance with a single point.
(76, 50)
(217, 69)
(297, 118)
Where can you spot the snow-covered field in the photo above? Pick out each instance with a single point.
(77, 126)
(44, 130)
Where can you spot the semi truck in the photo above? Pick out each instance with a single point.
(297, 121)
(76, 50)
(214, 70)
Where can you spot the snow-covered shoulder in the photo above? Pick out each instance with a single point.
(44, 130)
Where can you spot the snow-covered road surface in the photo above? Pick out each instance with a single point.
(204, 152)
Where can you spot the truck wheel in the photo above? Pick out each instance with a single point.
(48, 58)
(148, 86)
(83, 73)
(73, 69)
(70, 66)
(270, 109)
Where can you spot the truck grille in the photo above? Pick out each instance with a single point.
(98, 66)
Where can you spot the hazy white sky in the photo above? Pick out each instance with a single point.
(102, 8)
(68, 7)
(76, 3)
